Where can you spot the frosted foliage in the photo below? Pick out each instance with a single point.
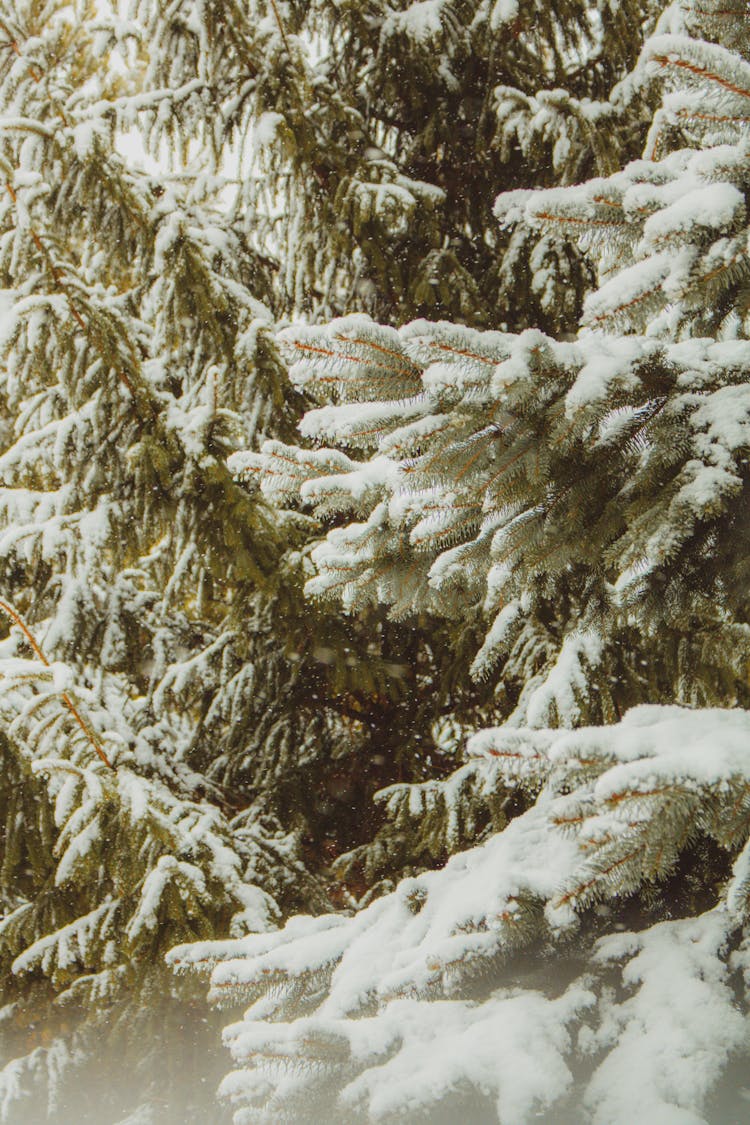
(682, 992)
(135, 347)
(92, 801)
(341, 122)
(462, 467)
(581, 503)
(365, 1015)
(42, 1066)
(669, 232)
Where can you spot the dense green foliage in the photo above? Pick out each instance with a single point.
(190, 741)
(582, 501)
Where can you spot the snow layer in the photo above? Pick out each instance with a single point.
(370, 1011)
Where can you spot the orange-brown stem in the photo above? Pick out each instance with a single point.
(16, 618)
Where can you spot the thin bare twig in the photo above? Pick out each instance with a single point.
(16, 618)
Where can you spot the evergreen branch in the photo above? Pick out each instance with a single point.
(578, 891)
(299, 346)
(58, 279)
(701, 72)
(443, 347)
(576, 220)
(376, 347)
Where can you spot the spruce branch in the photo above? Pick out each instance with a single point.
(701, 72)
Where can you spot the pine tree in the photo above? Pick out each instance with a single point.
(588, 960)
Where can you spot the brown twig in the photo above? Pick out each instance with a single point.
(702, 72)
(280, 22)
(13, 44)
(16, 618)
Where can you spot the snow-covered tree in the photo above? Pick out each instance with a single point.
(587, 960)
